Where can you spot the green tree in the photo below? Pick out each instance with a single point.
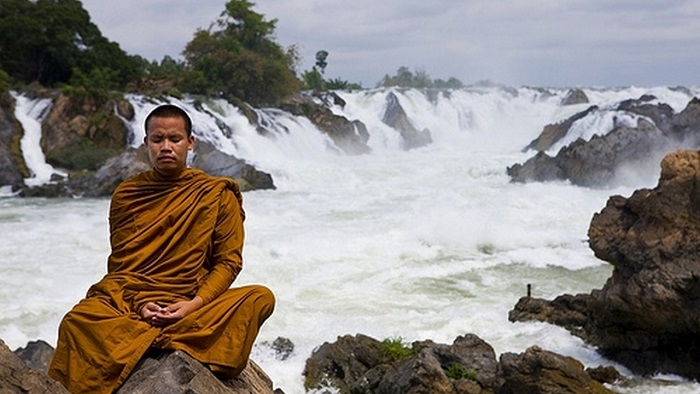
(46, 40)
(321, 60)
(238, 58)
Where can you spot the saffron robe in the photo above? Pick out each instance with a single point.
(171, 240)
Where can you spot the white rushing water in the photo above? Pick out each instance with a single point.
(430, 243)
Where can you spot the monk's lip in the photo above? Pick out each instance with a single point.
(166, 158)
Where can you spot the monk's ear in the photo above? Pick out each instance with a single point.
(190, 142)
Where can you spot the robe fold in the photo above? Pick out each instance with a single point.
(171, 240)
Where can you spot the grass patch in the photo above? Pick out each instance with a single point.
(458, 371)
(395, 349)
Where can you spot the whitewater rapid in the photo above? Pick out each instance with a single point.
(430, 243)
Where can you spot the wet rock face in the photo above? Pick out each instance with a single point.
(646, 316)
(626, 149)
(13, 170)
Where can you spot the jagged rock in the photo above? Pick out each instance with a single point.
(36, 355)
(170, 372)
(355, 364)
(396, 118)
(178, 373)
(603, 160)
(17, 377)
(215, 162)
(552, 133)
(646, 315)
(350, 136)
(13, 169)
(82, 133)
(600, 161)
(539, 371)
(135, 160)
(575, 96)
(566, 311)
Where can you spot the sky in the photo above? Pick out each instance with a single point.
(540, 43)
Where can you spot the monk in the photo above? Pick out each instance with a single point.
(176, 238)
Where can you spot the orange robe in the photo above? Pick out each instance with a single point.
(172, 239)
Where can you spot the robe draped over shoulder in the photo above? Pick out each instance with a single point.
(171, 240)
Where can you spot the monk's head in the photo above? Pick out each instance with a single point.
(168, 139)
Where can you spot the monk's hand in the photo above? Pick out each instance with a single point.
(177, 311)
(150, 312)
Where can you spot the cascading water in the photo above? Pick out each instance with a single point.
(430, 243)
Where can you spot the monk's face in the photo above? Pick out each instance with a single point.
(168, 144)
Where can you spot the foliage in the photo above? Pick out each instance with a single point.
(395, 349)
(237, 57)
(313, 80)
(420, 80)
(340, 84)
(5, 82)
(321, 60)
(45, 41)
(458, 371)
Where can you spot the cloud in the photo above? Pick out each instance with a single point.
(516, 42)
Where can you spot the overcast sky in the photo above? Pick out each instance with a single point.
(541, 43)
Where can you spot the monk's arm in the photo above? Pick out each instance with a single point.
(227, 248)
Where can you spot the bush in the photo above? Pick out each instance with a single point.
(395, 349)
(458, 371)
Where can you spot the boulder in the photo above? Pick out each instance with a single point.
(355, 364)
(395, 117)
(539, 371)
(24, 371)
(17, 377)
(646, 315)
(178, 373)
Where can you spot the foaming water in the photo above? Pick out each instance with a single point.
(430, 243)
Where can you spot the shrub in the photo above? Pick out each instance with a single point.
(395, 349)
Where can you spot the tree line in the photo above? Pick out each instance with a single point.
(55, 44)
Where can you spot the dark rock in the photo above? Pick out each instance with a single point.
(350, 136)
(566, 311)
(17, 377)
(82, 133)
(605, 374)
(358, 365)
(283, 347)
(552, 133)
(646, 316)
(600, 161)
(575, 96)
(13, 169)
(215, 162)
(606, 160)
(178, 373)
(396, 118)
(539, 371)
(37, 355)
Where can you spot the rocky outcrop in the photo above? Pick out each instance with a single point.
(603, 160)
(17, 377)
(541, 371)
(396, 118)
(360, 364)
(646, 316)
(350, 136)
(574, 97)
(13, 169)
(24, 371)
(135, 160)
